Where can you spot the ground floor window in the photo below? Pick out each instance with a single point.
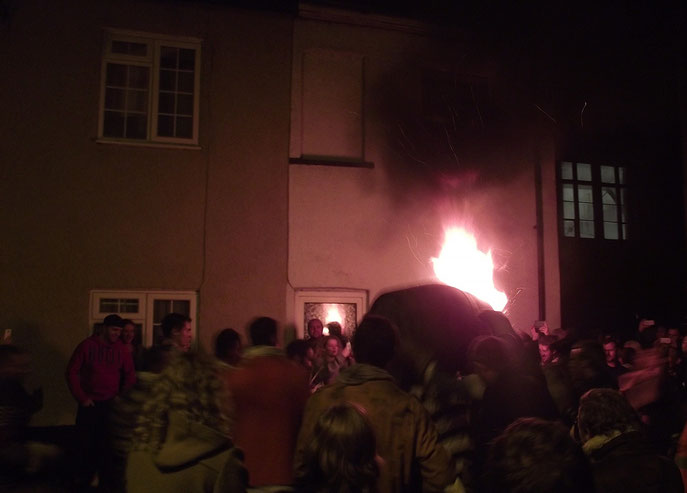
(346, 306)
(145, 308)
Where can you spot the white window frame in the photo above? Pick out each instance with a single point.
(152, 60)
(302, 296)
(144, 316)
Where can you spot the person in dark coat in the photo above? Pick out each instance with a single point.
(622, 459)
(510, 393)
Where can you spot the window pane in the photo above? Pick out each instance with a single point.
(610, 231)
(114, 99)
(129, 306)
(608, 195)
(165, 126)
(168, 80)
(184, 105)
(584, 172)
(129, 48)
(136, 126)
(569, 229)
(586, 211)
(607, 174)
(181, 306)
(569, 210)
(113, 124)
(186, 81)
(184, 127)
(610, 213)
(108, 305)
(621, 175)
(168, 57)
(166, 103)
(586, 229)
(566, 170)
(137, 101)
(138, 77)
(584, 193)
(116, 75)
(187, 59)
(568, 195)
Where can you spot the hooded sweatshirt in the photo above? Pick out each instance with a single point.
(97, 370)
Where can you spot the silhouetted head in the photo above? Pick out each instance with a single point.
(263, 331)
(375, 341)
(536, 456)
(342, 454)
(228, 346)
(603, 412)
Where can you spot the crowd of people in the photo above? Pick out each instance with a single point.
(544, 411)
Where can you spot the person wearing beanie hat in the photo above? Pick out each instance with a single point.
(99, 368)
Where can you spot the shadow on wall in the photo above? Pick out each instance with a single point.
(48, 365)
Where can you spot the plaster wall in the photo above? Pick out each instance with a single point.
(80, 215)
(377, 228)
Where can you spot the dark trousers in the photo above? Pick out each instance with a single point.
(91, 435)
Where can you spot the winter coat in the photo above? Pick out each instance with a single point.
(194, 458)
(625, 463)
(269, 393)
(413, 461)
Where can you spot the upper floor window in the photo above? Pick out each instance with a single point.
(149, 90)
(593, 199)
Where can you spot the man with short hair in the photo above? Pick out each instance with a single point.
(615, 369)
(269, 393)
(315, 328)
(406, 437)
(98, 370)
(176, 329)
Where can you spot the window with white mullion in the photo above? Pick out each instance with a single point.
(176, 82)
(126, 101)
(150, 88)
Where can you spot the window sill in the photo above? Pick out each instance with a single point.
(331, 162)
(159, 145)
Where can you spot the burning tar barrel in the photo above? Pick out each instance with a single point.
(436, 323)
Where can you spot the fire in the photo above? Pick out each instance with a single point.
(333, 315)
(462, 265)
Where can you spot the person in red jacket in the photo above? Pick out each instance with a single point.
(269, 393)
(98, 371)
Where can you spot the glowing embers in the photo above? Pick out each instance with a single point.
(462, 265)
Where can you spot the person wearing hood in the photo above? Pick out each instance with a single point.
(181, 443)
(411, 458)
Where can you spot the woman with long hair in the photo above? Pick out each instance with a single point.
(342, 456)
(181, 440)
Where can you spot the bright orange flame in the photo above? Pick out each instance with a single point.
(462, 265)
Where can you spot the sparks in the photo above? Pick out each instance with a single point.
(462, 265)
